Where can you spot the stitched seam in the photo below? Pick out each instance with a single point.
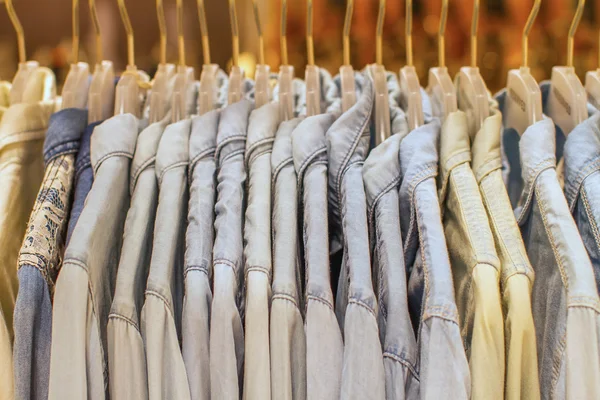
(257, 144)
(202, 154)
(126, 319)
(309, 158)
(278, 169)
(195, 268)
(531, 192)
(395, 357)
(170, 167)
(345, 160)
(61, 153)
(150, 292)
(138, 172)
(109, 155)
(285, 297)
(231, 155)
(561, 267)
(425, 304)
(258, 268)
(572, 190)
(224, 261)
(320, 300)
(362, 304)
(591, 219)
(385, 190)
(255, 156)
(230, 139)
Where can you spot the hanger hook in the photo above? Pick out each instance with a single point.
(283, 39)
(409, 18)
(379, 33)
(442, 34)
(310, 46)
(14, 19)
(347, 25)
(75, 43)
(180, 37)
(261, 42)
(204, 32)
(474, 26)
(572, 30)
(527, 30)
(129, 30)
(162, 27)
(96, 24)
(234, 33)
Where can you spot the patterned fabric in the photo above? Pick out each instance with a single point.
(43, 246)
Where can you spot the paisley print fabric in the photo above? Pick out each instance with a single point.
(43, 246)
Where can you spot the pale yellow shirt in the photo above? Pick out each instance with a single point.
(522, 381)
(22, 132)
(475, 264)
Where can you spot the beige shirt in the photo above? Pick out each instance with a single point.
(475, 264)
(517, 273)
(84, 289)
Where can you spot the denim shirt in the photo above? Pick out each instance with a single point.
(226, 333)
(42, 252)
(126, 353)
(382, 177)
(199, 253)
(582, 184)
(78, 362)
(348, 137)
(287, 339)
(442, 364)
(84, 177)
(565, 300)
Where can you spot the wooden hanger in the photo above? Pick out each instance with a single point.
(346, 70)
(377, 72)
(207, 95)
(592, 83)
(75, 89)
(261, 77)
(286, 72)
(441, 89)
(236, 75)
(160, 96)
(101, 94)
(185, 74)
(311, 74)
(524, 103)
(410, 88)
(567, 102)
(25, 68)
(133, 83)
(472, 95)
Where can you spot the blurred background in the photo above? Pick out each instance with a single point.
(47, 27)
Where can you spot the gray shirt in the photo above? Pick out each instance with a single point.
(348, 137)
(226, 333)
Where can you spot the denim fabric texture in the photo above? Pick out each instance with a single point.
(324, 342)
(348, 137)
(226, 330)
(199, 253)
(84, 177)
(126, 353)
(85, 286)
(565, 298)
(517, 275)
(382, 177)
(442, 365)
(582, 184)
(42, 253)
(161, 313)
(287, 338)
(475, 264)
(262, 126)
